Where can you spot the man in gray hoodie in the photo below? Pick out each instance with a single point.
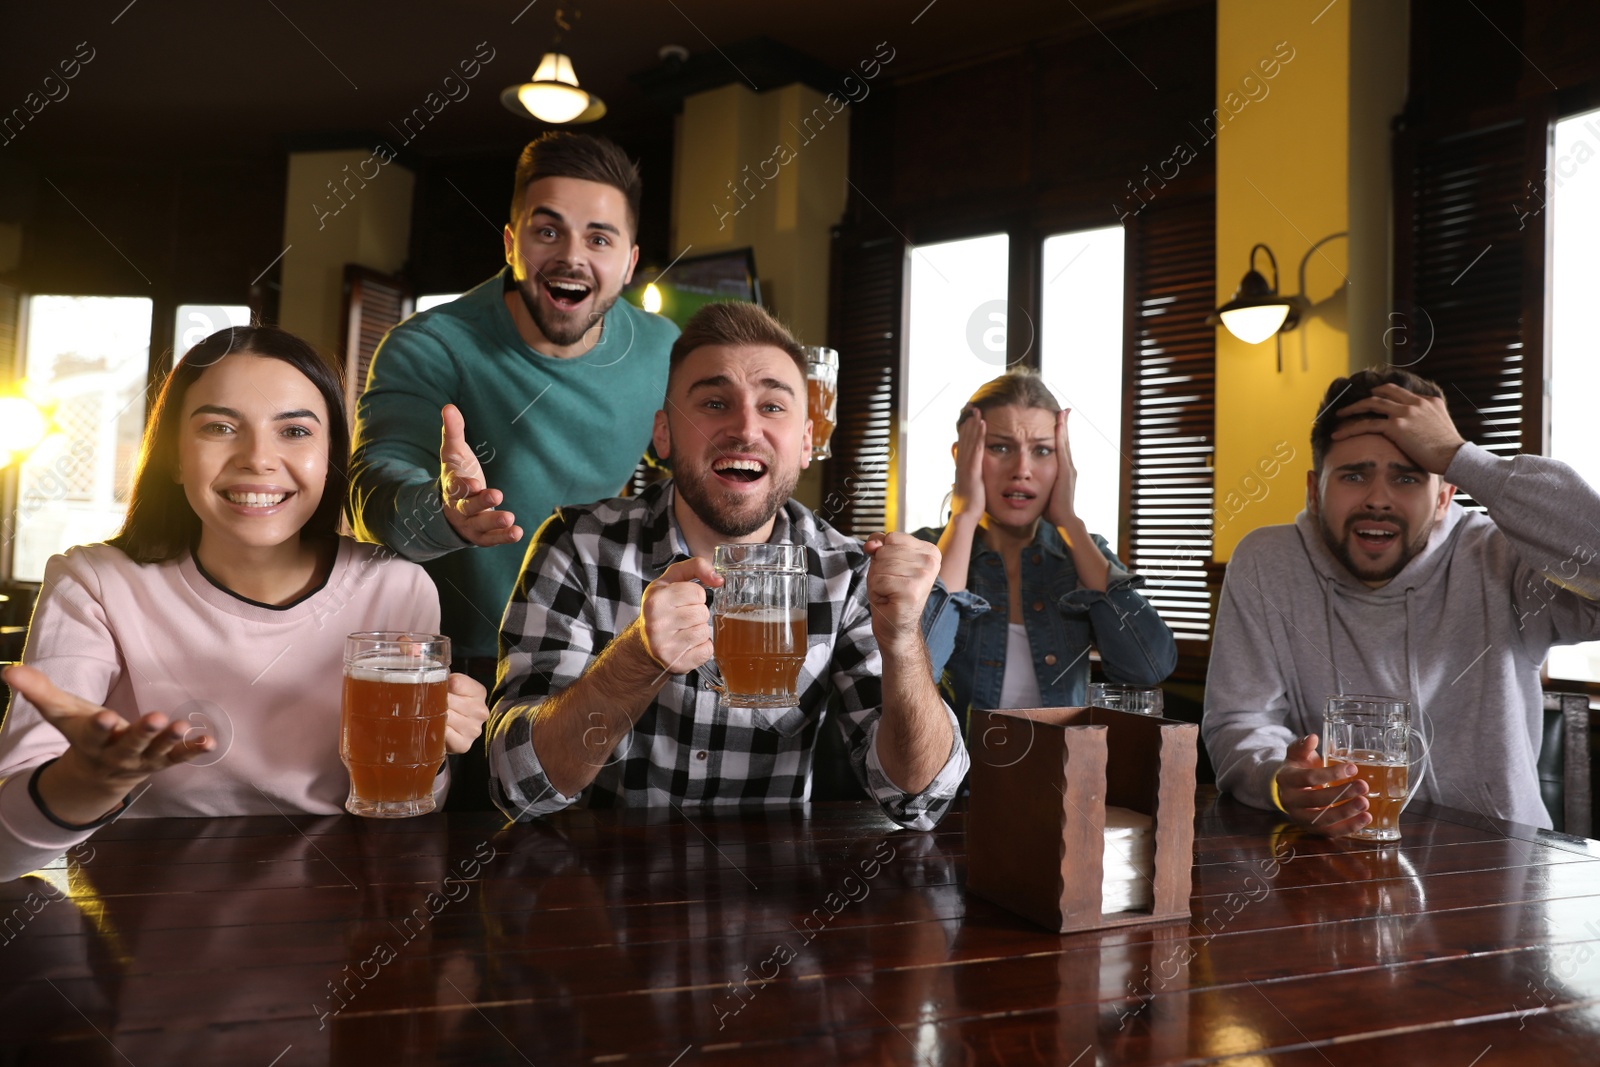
(1385, 585)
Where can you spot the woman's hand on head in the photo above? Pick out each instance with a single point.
(468, 711)
(967, 496)
(1060, 510)
(107, 755)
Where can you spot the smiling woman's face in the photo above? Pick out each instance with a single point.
(1019, 463)
(253, 451)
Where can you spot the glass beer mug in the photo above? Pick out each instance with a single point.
(822, 398)
(758, 625)
(1374, 733)
(391, 733)
(1144, 699)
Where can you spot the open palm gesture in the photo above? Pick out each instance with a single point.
(108, 756)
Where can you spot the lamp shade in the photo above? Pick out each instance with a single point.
(1252, 325)
(553, 95)
(1256, 311)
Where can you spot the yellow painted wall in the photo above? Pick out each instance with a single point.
(788, 167)
(359, 220)
(1282, 179)
(767, 170)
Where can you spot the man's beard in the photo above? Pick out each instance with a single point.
(1340, 546)
(717, 512)
(562, 328)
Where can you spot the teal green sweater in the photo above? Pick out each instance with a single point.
(548, 432)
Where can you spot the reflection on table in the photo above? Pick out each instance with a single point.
(762, 936)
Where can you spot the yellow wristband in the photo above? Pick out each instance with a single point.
(1276, 801)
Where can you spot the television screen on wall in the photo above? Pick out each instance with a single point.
(694, 281)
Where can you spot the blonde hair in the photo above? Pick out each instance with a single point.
(1018, 387)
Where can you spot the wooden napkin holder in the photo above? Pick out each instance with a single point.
(1040, 782)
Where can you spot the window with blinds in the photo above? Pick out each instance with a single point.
(1169, 390)
(865, 319)
(374, 303)
(1469, 276)
(10, 329)
(1168, 402)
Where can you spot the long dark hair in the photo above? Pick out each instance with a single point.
(161, 525)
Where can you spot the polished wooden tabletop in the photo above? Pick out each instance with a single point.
(785, 937)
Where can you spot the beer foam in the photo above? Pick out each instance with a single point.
(762, 614)
(396, 670)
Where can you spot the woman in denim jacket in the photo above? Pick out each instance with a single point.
(1019, 601)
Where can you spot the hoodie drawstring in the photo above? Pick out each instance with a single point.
(1419, 716)
(1420, 723)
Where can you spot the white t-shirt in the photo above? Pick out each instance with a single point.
(1020, 686)
(265, 683)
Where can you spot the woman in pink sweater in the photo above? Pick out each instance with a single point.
(193, 664)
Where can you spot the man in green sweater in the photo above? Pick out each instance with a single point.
(535, 389)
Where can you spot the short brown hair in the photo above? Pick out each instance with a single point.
(1018, 387)
(1352, 390)
(734, 322)
(560, 154)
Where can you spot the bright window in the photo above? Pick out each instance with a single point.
(435, 299)
(1572, 196)
(196, 322)
(88, 358)
(955, 341)
(1080, 359)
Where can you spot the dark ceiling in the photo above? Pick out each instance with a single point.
(179, 79)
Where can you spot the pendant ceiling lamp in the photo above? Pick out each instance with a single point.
(553, 94)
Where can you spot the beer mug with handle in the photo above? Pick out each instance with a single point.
(1375, 733)
(391, 735)
(758, 625)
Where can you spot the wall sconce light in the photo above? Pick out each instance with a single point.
(1257, 311)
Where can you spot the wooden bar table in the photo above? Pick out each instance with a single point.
(778, 937)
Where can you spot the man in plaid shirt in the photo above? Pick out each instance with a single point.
(600, 696)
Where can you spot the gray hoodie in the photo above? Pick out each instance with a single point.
(1461, 632)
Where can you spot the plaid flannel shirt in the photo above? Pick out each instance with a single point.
(581, 585)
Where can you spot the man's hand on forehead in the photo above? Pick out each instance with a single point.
(1419, 426)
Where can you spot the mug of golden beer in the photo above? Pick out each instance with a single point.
(822, 397)
(1374, 733)
(758, 625)
(391, 734)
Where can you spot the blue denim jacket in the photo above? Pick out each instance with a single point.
(966, 631)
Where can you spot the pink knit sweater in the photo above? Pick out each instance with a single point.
(264, 682)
